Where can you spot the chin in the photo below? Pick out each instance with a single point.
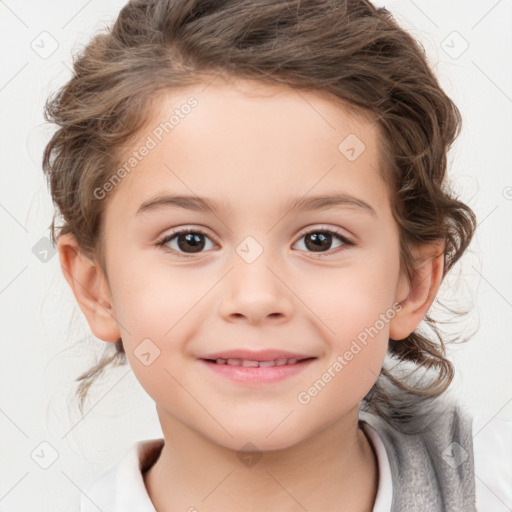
(259, 440)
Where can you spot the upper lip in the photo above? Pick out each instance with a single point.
(261, 355)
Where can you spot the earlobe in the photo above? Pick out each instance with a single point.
(89, 287)
(420, 293)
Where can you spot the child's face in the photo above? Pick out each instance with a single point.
(255, 281)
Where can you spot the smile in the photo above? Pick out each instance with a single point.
(256, 373)
(253, 364)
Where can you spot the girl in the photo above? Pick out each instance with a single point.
(255, 217)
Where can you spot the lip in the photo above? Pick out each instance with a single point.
(255, 375)
(252, 355)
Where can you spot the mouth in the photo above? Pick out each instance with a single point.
(248, 363)
(253, 372)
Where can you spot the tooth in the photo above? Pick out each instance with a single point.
(267, 364)
(254, 364)
(248, 364)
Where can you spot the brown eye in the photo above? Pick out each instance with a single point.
(186, 241)
(190, 242)
(320, 241)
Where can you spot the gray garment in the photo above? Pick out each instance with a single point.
(431, 456)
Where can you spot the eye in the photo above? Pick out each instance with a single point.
(318, 239)
(188, 240)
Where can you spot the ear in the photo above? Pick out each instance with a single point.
(421, 292)
(90, 288)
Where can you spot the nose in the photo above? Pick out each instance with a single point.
(253, 292)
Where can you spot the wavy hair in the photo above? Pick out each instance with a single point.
(350, 49)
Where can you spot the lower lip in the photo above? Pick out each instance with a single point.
(257, 375)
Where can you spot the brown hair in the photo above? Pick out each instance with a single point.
(347, 48)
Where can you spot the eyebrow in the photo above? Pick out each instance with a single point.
(202, 204)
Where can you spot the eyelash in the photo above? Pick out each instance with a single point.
(167, 238)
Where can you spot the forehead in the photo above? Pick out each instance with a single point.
(242, 141)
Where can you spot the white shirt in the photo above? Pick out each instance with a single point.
(120, 488)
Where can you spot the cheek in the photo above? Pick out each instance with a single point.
(154, 300)
(158, 312)
(355, 322)
(353, 307)
(352, 297)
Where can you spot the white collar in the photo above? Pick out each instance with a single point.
(121, 487)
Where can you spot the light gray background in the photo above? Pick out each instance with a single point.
(44, 343)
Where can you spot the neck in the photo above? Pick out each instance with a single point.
(334, 469)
